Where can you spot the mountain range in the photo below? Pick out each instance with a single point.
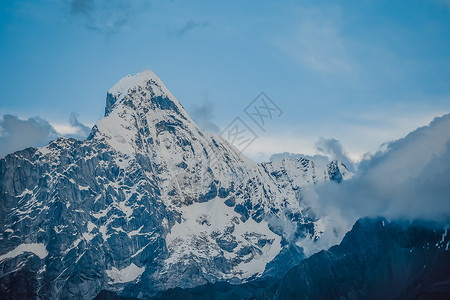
(147, 203)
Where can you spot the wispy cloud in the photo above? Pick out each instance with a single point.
(445, 3)
(333, 148)
(203, 115)
(317, 43)
(82, 131)
(188, 27)
(84, 7)
(106, 16)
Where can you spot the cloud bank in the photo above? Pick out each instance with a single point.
(17, 134)
(408, 180)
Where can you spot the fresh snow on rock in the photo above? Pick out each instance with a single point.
(35, 248)
(121, 89)
(212, 229)
(130, 273)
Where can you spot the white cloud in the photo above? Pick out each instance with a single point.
(359, 134)
(333, 148)
(73, 128)
(64, 128)
(17, 134)
(409, 180)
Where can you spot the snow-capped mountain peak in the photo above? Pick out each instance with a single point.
(146, 80)
(139, 109)
(148, 202)
(123, 85)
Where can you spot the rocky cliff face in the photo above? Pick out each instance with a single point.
(148, 202)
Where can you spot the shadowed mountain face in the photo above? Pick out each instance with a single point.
(377, 259)
(148, 202)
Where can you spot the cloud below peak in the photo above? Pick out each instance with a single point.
(17, 134)
(333, 148)
(408, 180)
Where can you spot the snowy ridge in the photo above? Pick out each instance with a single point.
(302, 171)
(122, 88)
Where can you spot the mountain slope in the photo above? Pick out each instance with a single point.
(148, 202)
(377, 259)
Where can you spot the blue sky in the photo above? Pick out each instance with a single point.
(362, 72)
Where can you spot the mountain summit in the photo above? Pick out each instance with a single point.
(148, 202)
(142, 83)
(137, 108)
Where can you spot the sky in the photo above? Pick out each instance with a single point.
(353, 74)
